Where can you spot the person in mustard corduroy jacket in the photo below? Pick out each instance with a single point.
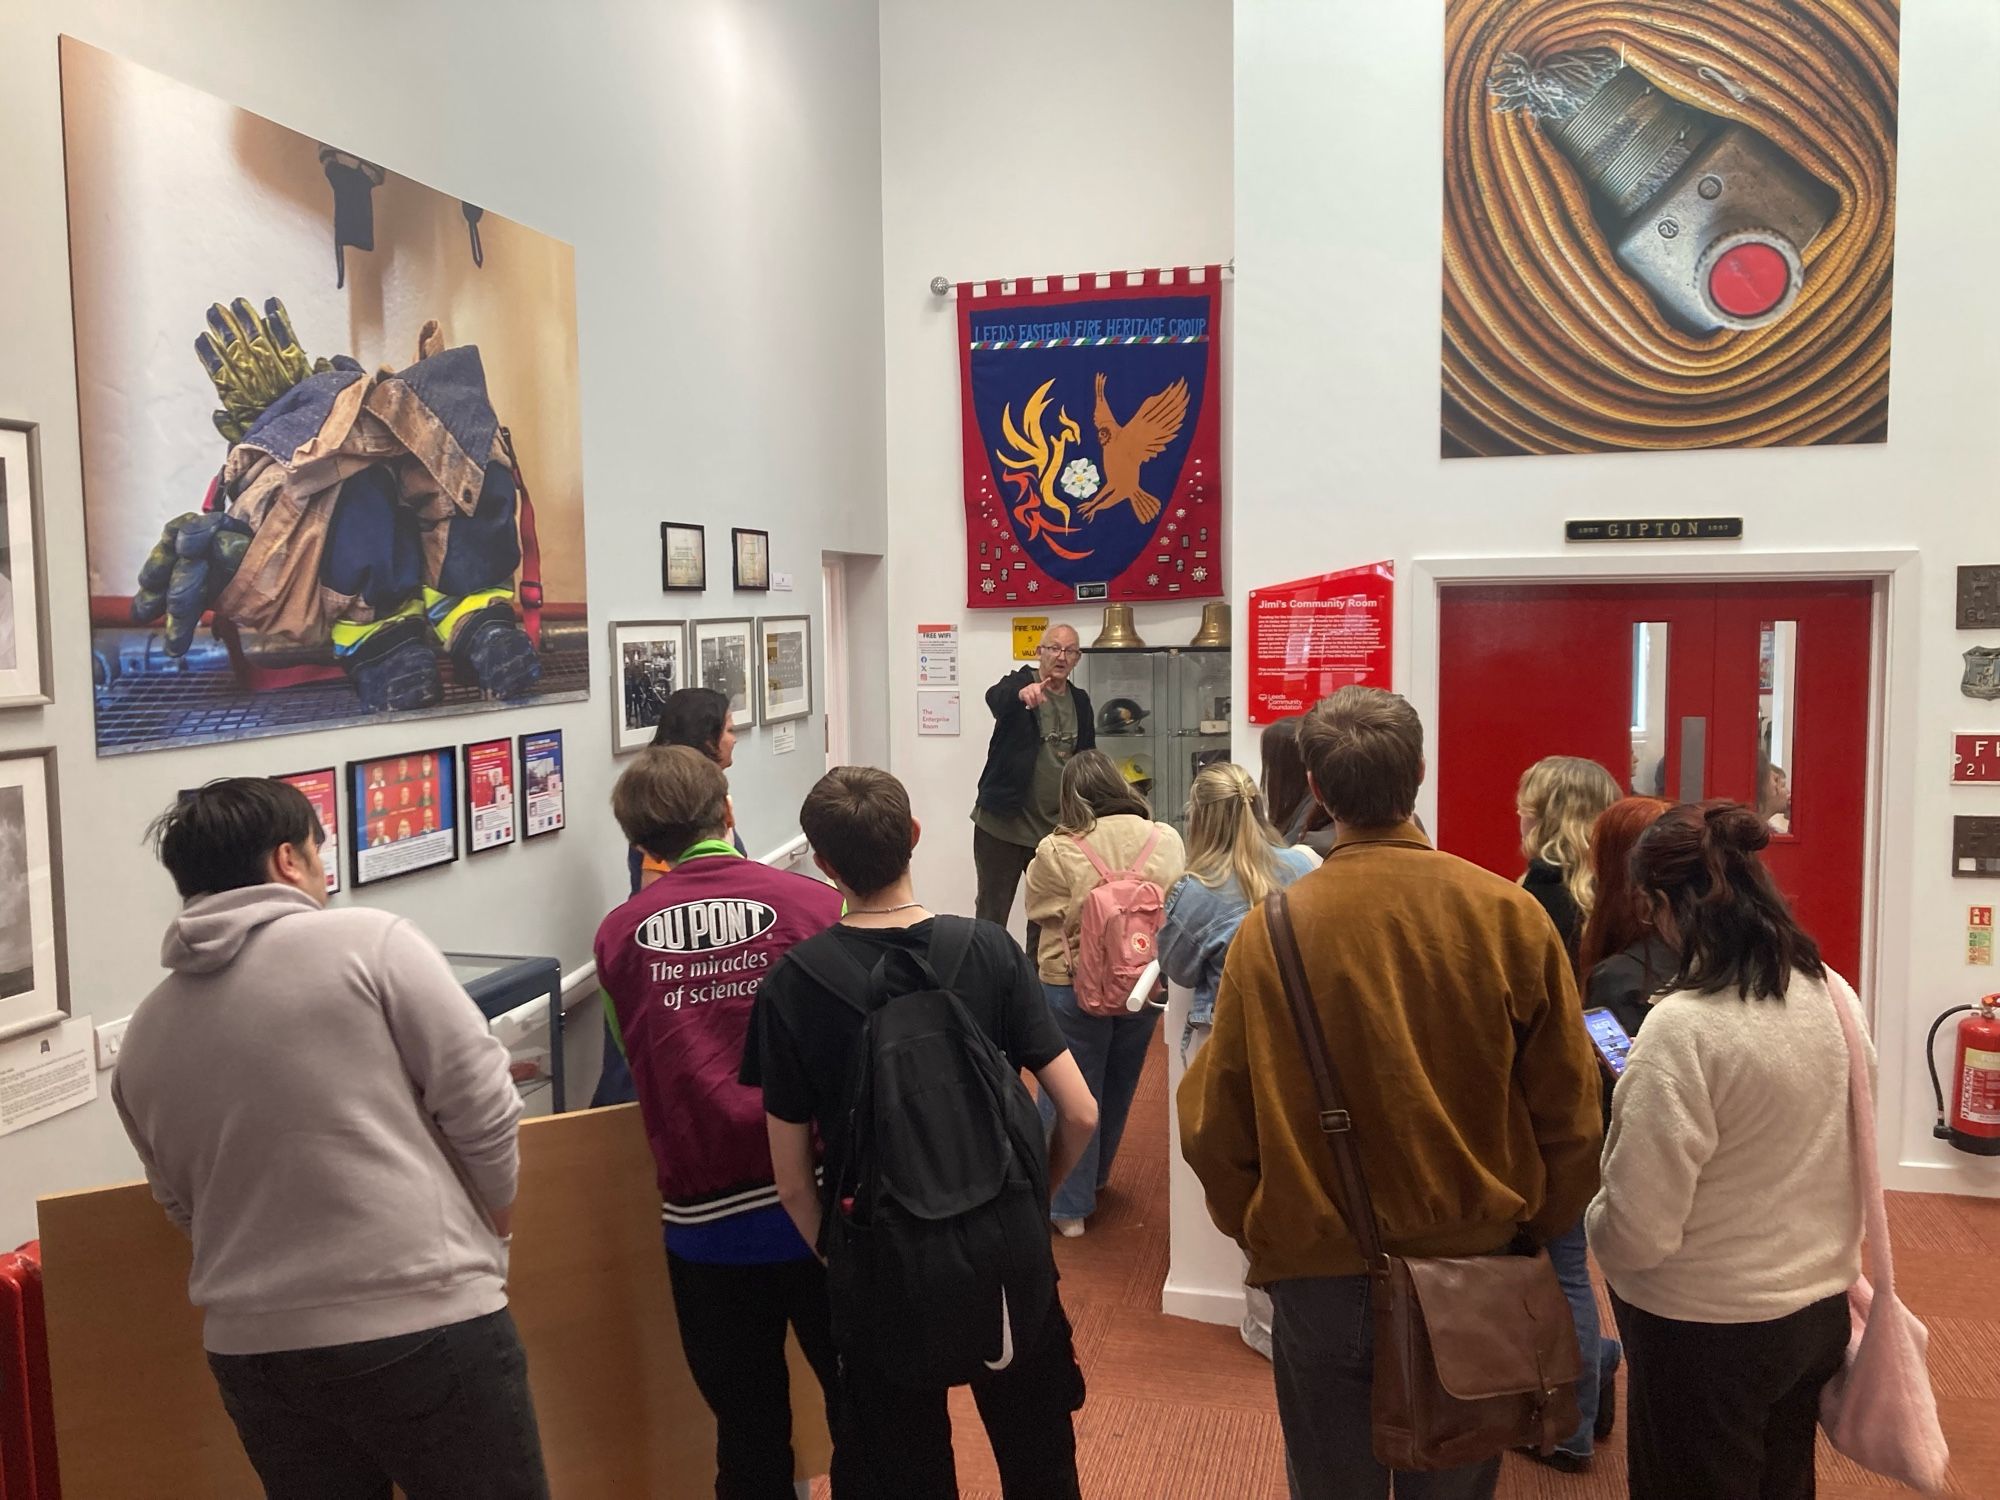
(1448, 1004)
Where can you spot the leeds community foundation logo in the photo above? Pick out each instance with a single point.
(706, 926)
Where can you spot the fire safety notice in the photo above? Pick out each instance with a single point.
(1313, 635)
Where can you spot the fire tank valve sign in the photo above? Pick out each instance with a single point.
(1313, 635)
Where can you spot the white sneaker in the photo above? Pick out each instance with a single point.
(1069, 1229)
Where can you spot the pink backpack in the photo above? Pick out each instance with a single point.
(1119, 933)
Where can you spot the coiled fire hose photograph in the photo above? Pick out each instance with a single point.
(1667, 225)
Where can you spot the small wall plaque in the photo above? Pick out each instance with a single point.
(1979, 597)
(1659, 529)
(1975, 847)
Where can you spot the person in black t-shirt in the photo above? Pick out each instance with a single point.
(801, 1043)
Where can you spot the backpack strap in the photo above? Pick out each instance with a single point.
(951, 941)
(827, 961)
(1138, 867)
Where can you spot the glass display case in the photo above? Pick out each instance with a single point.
(521, 998)
(1162, 714)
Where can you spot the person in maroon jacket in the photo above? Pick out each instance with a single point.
(681, 961)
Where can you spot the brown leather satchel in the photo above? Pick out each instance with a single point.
(1473, 1354)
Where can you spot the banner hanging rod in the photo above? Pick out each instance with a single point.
(944, 286)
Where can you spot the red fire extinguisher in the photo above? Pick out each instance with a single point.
(1972, 1120)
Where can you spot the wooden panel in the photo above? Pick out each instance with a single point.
(137, 1411)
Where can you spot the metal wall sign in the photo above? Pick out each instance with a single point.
(1975, 847)
(1658, 529)
(1975, 760)
(1979, 597)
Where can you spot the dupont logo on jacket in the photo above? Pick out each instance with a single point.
(706, 926)
(708, 948)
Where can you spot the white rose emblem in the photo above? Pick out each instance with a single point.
(1080, 479)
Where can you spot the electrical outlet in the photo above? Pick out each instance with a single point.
(110, 1038)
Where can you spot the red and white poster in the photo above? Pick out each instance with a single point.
(322, 789)
(489, 795)
(1313, 635)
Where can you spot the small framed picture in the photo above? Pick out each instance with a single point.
(489, 795)
(683, 556)
(322, 789)
(751, 551)
(784, 668)
(722, 661)
(648, 665)
(34, 971)
(542, 776)
(25, 678)
(402, 814)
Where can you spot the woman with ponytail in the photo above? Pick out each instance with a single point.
(1235, 858)
(1728, 1224)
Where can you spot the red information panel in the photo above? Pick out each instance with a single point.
(1313, 635)
(1975, 759)
(489, 795)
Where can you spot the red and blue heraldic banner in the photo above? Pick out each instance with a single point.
(1092, 438)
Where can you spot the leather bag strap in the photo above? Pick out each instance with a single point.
(1335, 1123)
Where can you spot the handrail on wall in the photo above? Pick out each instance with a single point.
(580, 983)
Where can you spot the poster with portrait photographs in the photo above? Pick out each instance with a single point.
(722, 661)
(402, 813)
(34, 980)
(322, 790)
(648, 666)
(784, 668)
(24, 672)
(542, 776)
(489, 795)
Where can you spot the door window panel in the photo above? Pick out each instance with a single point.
(1777, 706)
(1648, 776)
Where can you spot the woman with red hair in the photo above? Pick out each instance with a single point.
(1621, 958)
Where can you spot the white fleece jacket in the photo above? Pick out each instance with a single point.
(319, 1104)
(1728, 1191)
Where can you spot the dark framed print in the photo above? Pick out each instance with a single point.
(25, 678)
(648, 665)
(784, 668)
(489, 795)
(34, 970)
(322, 790)
(722, 660)
(683, 556)
(542, 782)
(750, 557)
(402, 814)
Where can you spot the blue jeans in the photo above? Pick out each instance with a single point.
(1111, 1052)
(1323, 1357)
(1600, 1355)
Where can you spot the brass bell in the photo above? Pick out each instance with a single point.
(1214, 626)
(1118, 629)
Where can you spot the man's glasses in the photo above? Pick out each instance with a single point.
(1062, 653)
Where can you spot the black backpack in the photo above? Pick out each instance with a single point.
(935, 1231)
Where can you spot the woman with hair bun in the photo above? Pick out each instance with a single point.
(1729, 1225)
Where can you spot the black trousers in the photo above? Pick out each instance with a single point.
(1726, 1411)
(443, 1412)
(733, 1321)
(999, 867)
(899, 1437)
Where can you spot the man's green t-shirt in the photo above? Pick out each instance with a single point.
(1055, 718)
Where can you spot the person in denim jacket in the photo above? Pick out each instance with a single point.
(1234, 859)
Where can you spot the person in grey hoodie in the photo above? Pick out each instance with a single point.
(320, 1106)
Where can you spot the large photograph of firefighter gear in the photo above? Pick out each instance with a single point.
(332, 450)
(1668, 224)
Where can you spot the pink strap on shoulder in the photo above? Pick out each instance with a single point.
(1867, 1165)
(1105, 872)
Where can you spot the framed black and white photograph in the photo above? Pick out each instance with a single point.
(784, 668)
(34, 976)
(683, 556)
(25, 679)
(402, 813)
(648, 665)
(750, 552)
(722, 660)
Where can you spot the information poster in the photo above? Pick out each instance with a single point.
(542, 775)
(404, 813)
(322, 789)
(489, 795)
(46, 1073)
(937, 713)
(1028, 630)
(1314, 635)
(937, 656)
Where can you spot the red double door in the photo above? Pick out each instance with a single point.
(1753, 691)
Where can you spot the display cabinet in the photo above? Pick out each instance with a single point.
(1162, 714)
(521, 998)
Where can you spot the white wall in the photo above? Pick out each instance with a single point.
(1001, 159)
(1338, 207)
(717, 167)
